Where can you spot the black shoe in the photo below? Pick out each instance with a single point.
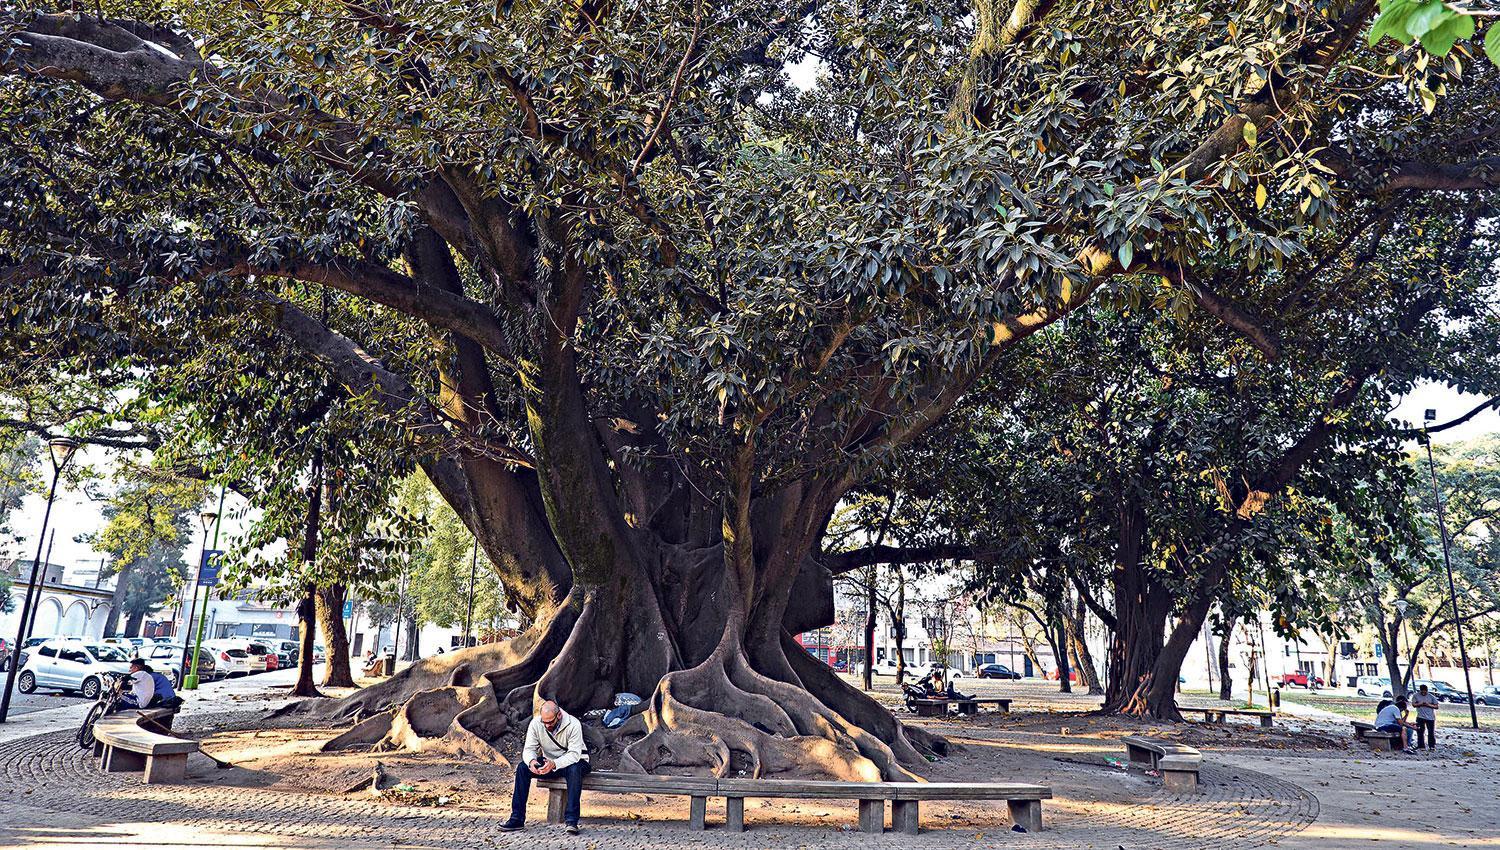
(512, 825)
(571, 829)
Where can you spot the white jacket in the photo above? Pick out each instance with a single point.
(563, 746)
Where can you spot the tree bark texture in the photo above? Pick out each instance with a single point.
(1088, 674)
(1226, 684)
(337, 673)
(307, 605)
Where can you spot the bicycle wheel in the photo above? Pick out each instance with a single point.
(86, 731)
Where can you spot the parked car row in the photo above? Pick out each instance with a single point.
(79, 664)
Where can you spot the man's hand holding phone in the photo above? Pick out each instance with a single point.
(542, 767)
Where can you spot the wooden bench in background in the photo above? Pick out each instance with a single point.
(126, 742)
(938, 706)
(1380, 741)
(1178, 764)
(1221, 715)
(1024, 801)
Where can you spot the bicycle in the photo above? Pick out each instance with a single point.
(111, 699)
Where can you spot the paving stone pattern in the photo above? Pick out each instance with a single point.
(1234, 808)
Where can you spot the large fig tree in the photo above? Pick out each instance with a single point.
(647, 287)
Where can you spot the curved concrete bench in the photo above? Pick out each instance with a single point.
(1177, 763)
(1024, 801)
(127, 746)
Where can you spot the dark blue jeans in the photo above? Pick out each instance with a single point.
(573, 774)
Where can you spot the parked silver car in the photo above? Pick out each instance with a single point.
(69, 664)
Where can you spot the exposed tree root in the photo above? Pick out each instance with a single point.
(510, 664)
(723, 718)
(910, 744)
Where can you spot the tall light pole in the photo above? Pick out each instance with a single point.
(189, 679)
(62, 449)
(469, 611)
(1401, 606)
(46, 559)
(1458, 624)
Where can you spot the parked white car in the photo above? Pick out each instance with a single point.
(232, 656)
(1373, 686)
(66, 664)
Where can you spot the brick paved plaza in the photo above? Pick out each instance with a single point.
(1256, 791)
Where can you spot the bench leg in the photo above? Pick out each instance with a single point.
(904, 816)
(1027, 814)
(117, 760)
(1379, 744)
(166, 769)
(872, 816)
(1265, 721)
(734, 814)
(98, 749)
(698, 814)
(1179, 780)
(557, 801)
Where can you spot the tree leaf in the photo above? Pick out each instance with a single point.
(1492, 42)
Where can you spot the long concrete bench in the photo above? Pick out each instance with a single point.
(1024, 801)
(1221, 715)
(1380, 741)
(1178, 764)
(126, 742)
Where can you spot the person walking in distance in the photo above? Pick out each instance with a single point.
(554, 747)
(1426, 705)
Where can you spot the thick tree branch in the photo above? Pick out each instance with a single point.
(843, 562)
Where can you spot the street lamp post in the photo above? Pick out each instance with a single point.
(1401, 606)
(62, 449)
(189, 680)
(1458, 624)
(469, 611)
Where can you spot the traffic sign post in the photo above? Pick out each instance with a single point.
(208, 577)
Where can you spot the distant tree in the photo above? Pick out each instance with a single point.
(150, 519)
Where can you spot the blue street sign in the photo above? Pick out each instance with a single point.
(208, 571)
(348, 608)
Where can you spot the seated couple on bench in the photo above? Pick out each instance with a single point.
(148, 688)
(554, 747)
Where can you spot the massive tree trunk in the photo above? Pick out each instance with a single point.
(335, 637)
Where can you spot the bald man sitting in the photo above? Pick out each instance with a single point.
(554, 747)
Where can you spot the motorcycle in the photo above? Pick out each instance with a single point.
(111, 699)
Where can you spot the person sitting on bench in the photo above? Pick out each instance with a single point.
(148, 688)
(932, 687)
(1391, 718)
(554, 747)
